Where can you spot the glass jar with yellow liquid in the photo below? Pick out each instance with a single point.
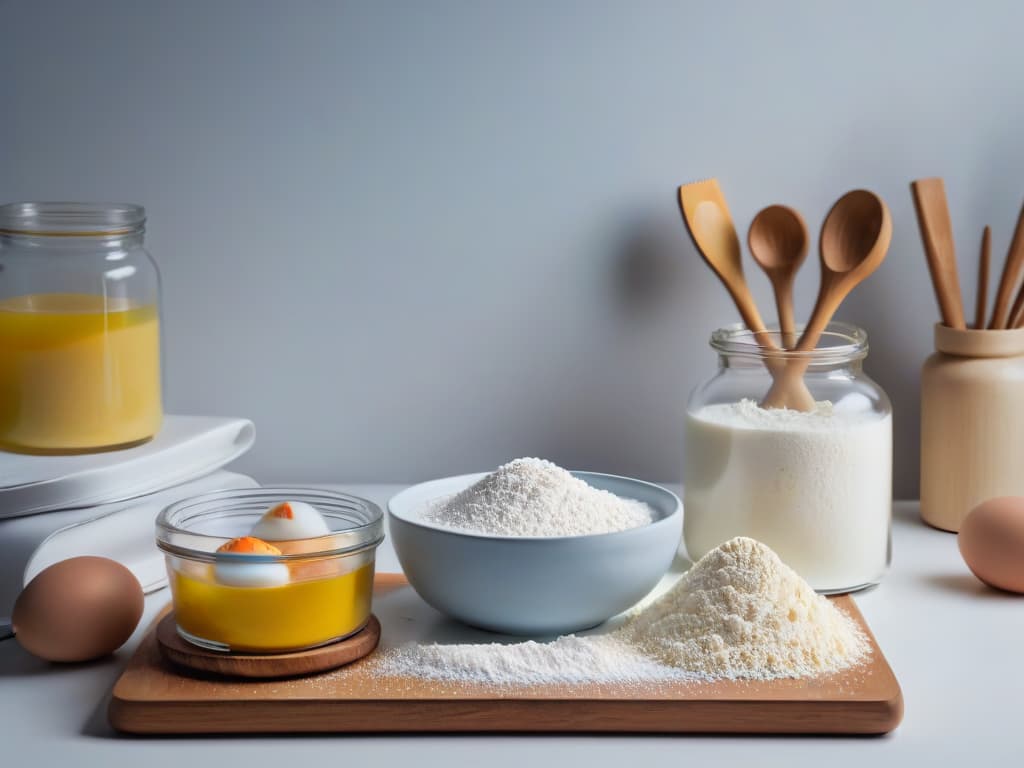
(79, 328)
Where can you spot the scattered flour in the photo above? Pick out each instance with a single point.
(739, 613)
(569, 659)
(533, 497)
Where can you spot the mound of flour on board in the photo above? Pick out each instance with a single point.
(533, 497)
(738, 614)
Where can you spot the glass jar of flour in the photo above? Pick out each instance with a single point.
(816, 487)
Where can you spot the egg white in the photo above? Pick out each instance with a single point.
(252, 574)
(307, 523)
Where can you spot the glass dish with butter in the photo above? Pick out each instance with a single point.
(270, 570)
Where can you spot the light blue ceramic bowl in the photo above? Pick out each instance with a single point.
(528, 585)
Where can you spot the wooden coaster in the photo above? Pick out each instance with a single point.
(177, 650)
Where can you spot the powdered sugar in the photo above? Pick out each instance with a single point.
(533, 497)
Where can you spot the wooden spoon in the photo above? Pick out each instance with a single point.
(710, 226)
(854, 240)
(778, 242)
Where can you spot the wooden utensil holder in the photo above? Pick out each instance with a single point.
(972, 422)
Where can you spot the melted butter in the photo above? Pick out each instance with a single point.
(77, 372)
(299, 614)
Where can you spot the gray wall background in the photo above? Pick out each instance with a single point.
(411, 239)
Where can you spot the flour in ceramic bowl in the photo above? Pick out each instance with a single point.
(816, 487)
(534, 497)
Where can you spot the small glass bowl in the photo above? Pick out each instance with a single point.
(317, 591)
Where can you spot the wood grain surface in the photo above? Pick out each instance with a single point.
(179, 651)
(151, 697)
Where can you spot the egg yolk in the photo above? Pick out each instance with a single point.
(282, 510)
(249, 545)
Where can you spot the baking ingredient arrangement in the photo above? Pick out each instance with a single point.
(739, 613)
(787, 478)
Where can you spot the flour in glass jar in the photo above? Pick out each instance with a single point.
(816, 487)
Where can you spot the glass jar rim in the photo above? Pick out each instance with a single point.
(840, 343)
(69, 219)
(366, 531)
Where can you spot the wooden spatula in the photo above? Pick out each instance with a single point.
(937, 236)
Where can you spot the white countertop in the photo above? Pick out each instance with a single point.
(956, 648)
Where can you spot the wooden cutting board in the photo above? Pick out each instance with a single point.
(152, 697)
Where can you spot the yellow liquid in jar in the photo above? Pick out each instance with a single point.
(300, 614)
(78, 372)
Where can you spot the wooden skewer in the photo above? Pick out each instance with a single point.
(1001, 315)
(986, 252)
(1016, 319)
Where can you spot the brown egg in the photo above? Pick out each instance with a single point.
(78, 609)
(992, 542)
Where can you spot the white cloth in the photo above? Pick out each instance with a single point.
(123, 531)
(186, 448)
